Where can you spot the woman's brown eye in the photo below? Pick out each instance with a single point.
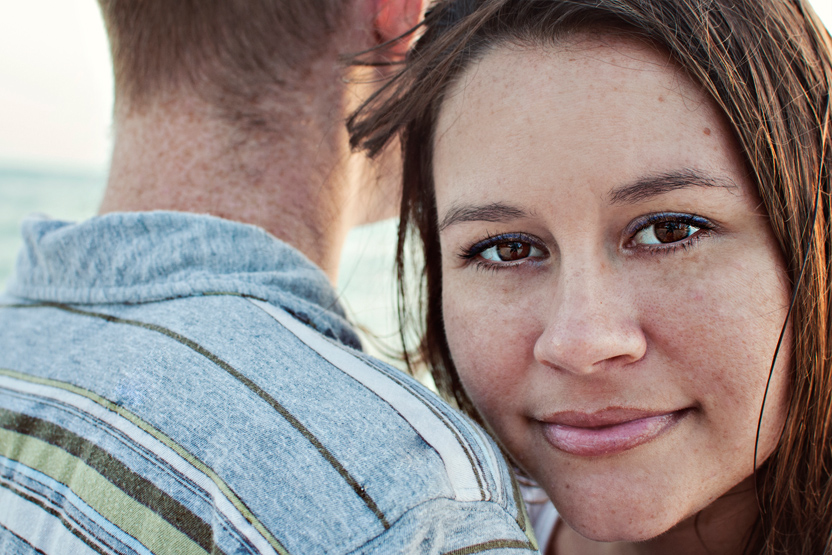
(513, 250)
(670, 232)
(508, 251)
(662, 233)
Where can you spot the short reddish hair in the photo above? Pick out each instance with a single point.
(222, 49)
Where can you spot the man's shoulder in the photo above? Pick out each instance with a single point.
(221, 408)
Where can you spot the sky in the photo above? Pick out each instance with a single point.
(56, 85)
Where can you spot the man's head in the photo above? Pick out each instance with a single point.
(230, 45)
(232, 53)
(236, 108)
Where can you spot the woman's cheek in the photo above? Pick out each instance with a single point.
(718, 340)
(492, 341)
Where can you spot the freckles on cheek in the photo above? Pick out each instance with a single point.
(718, 339)
(710, 308)
(681, 329)
(491, 347)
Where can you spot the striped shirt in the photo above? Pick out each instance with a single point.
(175, 383)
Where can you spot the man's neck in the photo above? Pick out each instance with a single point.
(292, 180)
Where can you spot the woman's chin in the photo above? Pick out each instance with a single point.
(616, 522)
(610, 533)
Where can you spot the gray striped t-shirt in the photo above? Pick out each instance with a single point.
(176, 384)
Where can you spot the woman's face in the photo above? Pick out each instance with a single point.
(613, 294)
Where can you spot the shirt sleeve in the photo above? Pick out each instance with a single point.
(448, 527)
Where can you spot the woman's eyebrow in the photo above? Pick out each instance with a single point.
(494, 212)
(655, 185)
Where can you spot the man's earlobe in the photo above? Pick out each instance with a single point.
(393, 19)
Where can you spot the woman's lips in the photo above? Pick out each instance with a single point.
(607, 432)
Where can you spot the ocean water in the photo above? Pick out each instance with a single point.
(366, 282)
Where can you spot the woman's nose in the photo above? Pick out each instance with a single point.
(590, 324)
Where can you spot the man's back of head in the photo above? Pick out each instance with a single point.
(235, 108)
(232, 54)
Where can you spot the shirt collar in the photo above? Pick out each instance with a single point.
(138, 257)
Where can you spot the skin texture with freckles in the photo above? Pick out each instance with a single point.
(622, 356)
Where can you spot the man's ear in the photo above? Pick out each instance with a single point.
(394, 18)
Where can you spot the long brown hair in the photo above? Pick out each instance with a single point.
(768, 65)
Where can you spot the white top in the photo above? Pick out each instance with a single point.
(542, 514)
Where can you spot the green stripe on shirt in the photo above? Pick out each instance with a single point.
(145, 426)
(153, 531)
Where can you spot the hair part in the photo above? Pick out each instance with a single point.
(768, 65)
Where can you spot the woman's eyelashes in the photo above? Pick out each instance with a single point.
(505, 250)
(662, 232)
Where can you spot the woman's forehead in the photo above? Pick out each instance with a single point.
(523, 112)
(604, 66)
(585, 118)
